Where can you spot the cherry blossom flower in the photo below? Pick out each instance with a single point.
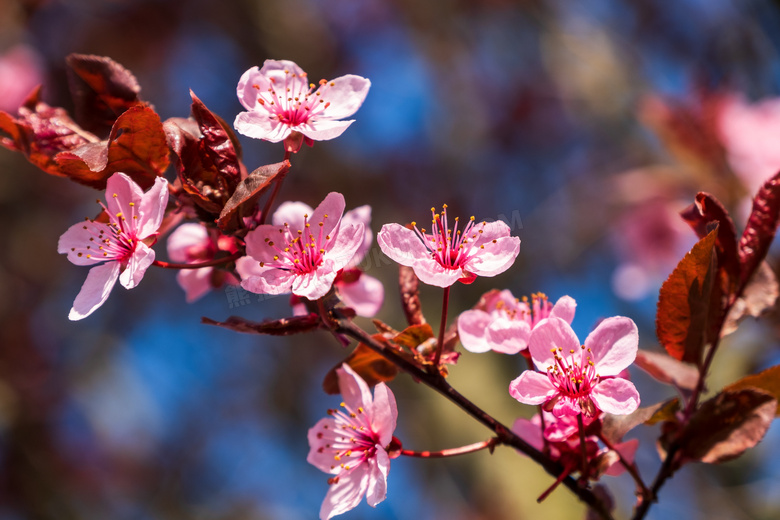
(502, 323)
(451, 254)
(21, 70)
(118, 249)
(193, 243)
(352, 444)
(580, 378)
(302, 257)
(280, 101)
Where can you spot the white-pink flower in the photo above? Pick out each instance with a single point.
(301, 257)
(352, 444)
(447, 255)
(280, 100)
(117, 249)
(580, 378)
(503, 323)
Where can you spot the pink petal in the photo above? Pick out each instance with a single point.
(377, 478)
(616, 396)
(566, 407)
(291, 213)
(354, 390)
(120, 192)
(269, 281)
(508, 336)
(328, 212)
(316, 284)
(401, 244)
(532, 388)
(360, 215)
(551, 333)
(495, 258)
(564, 309)
(322, 460)
(137, 265)
(346, 493)
(259, 126)
(430, 272)
(185, 237)
(246, 266)
(628, 451)
(365, 296)
(530, 432)
(257, 242)
(152, 209)
(77, 238)
(491, 231)
(613, 344)
(343, 248)
(323, 130)
(195, 282)
(345, 97)
(95, 290)
(246, 91)
(472, 325)
(384, 413)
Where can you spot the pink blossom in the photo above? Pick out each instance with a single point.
(301, 257)
(193, 243)
(280, 100)
(21, 71)
(352, 444)
(451, 254)
(580, 378)
(117, 250)
(503, 323)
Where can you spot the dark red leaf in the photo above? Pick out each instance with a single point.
(767, 381)
(667, 369)
(760, 229)
(369, 365)
(684, 303)
(282, 327)
(219, 142)
(102, 90)
(136, 147)
(409, 285)
(727, 425)
(242, 203)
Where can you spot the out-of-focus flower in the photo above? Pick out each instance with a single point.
(580, 378)
(280, 101)
(448, 255)
(193, 243)
(117, 250)
(503, 323)
(301, 257)
(352, 444)
(20, 72)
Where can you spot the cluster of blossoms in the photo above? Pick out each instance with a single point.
(310, 253)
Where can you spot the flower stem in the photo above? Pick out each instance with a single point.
(277, 187)
(471, 448)
(583, 449)
(440, 345)
(566, 471)
(209, 263)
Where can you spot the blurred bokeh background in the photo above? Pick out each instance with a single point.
(585, 125)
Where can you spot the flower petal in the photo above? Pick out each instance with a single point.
(258, 242)
(347, 241)
(613, 344)
(184, 238)
(495, 258)
(377, 478)
(195, 282)
(291, 213)
(246, 266)
(137, 264)
(532, 388)
(365, 295)
(401, 244)
(616, 396)
(431, 272)
(549, 334)
(361, 215)
(345, 494)
(329, 212)
(508, 336)
(322, 459)
(384, 413)
(353, 389)
(628, 451)
(75, 240)
(269, 281)
(95, 290)
(529, 431)
(345, 95)
(259, 126)
(120, 192)
(472, 325)
(564, 309)
(315, 284)
(323, 130)
(152, 209)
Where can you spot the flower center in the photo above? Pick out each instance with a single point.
(352, 440)
(301, 250)
(573, 378)
(291, 102)
(451, 248)
(538, 309)
(115, 241)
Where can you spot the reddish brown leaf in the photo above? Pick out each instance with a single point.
(727, 425)
(136, 147)
(759, 294)
(760, 230)
(684, 302)
(667, 369)
(768, 381)
(615, 427)
(242, 203)
(219, 142)
(282, 327)
(415, 336)
(665, 412)
(409, 285)
(102, 90)
(369, 365)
